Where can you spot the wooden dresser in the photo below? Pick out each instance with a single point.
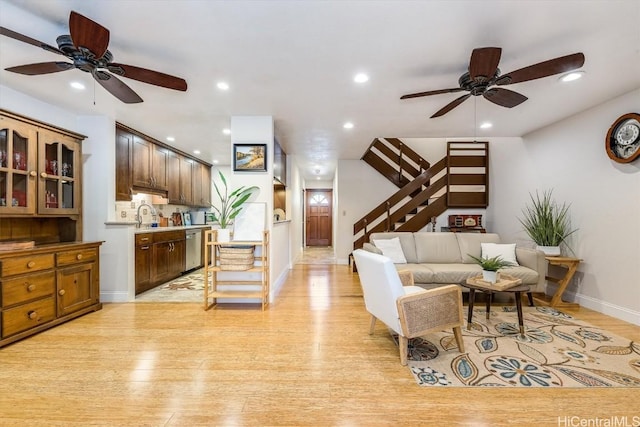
(45, 286)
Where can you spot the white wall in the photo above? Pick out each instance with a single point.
(569, 157)
(359, 189)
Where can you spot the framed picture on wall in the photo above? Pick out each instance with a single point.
(250, 157)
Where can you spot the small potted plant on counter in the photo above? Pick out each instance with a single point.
(490, 267)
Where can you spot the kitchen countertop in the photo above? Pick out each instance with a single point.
(148, 229)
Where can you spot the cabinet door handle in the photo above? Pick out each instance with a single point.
(30, 287)
(43, 174)
(33, 315)
(61, 292)
(33, 173)
(31, 264)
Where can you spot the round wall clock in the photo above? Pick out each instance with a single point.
(623, 138)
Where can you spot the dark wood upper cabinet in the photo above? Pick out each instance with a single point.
(279, 163)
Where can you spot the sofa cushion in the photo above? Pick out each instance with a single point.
(437, 248)
(421, 273)
(391, 249)
(470, 244)
(453, 273)
(527, 275)
(506, 251)
(406, 242)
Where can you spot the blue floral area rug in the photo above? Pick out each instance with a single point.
(557, 350)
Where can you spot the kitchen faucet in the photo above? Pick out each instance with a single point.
(139, 217)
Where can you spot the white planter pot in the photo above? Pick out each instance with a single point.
(550, 250)
(223, 235)
(490, 276)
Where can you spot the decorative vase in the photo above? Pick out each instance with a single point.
(223, 235)
(550, 250)
(490, 276)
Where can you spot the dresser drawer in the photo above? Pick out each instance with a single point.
(25, 264)
(27, 316)
(25, 288)
(76, 257)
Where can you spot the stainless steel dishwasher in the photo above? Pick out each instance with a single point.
(193, 253)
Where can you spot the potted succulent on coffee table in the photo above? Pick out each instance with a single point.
(490, 267)
(547, 223)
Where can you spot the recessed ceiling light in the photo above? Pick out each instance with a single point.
(170, 139)
(77, 85)
(361, 78)
(215, 162)
(348, 125)
(196, 151)
(223, 85)
(486, 125)
(226, 131)
(574, 75)
(317, 177)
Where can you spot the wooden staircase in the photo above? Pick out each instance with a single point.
(459, 180)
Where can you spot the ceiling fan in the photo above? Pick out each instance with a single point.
(87, 46)
(484, 73)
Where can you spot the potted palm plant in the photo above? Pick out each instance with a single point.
(230, 206)
(490, 267)
(547, 223)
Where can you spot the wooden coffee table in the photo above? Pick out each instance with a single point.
(477, 284)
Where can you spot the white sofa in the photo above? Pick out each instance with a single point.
(443, 258)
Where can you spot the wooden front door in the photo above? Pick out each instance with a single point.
(318, 217)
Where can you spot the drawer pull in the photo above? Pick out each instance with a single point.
(30, 287)
(31, 264)
(61, 292)
(79, 257)
(33, 315)
(144, 239)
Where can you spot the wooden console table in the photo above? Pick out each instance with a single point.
(571, 264)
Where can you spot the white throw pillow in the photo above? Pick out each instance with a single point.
(391, 248)
(506, 251)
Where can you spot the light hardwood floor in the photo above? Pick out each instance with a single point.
(306, 360)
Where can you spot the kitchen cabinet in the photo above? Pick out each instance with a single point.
(46, 286)
(240, 284)
(186, 181)
(150, 170)
(201, 183)
(124, 164)
(159, 257)
(147, 165)
(279, 164)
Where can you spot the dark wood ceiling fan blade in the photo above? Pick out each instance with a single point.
(559, 65)
(41, 68)
(431, 92)
(26, 39)
(149, 76)
(88, 34)
(116, 87)
(450, 106)
(504, 97)
(484, 62)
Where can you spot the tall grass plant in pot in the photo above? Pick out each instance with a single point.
(230, 206)
(547, 223)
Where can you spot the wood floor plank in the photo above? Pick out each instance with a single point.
(307, 360)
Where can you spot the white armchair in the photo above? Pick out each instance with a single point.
(410, 311)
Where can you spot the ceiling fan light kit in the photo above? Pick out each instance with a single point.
(86, 46)
(484, 73)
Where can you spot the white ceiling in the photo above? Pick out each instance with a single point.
(295, 61)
